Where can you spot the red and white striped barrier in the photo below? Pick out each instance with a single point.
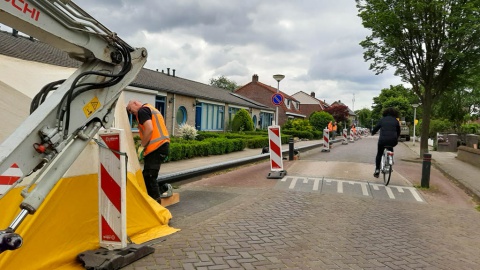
(345, 139)
(326, 140)
(112, 191)
(9, 177)
(275, 144)
(351, 136)
(276, 159)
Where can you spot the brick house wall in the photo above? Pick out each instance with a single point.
(262, 93)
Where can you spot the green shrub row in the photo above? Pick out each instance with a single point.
(213, 146)
(310, 135)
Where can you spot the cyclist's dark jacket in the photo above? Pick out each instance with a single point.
(390, 131)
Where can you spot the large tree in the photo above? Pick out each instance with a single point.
(431, 44)
(396, 96)
(224, 83)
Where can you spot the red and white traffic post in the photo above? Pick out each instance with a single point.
(345, 139)
(112, 191)
(276, 159)
(326, 140)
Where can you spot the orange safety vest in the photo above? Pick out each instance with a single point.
(159, 133)
(335, 128)
(330, 128)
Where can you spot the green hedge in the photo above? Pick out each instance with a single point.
(214, 146)
(310, 135)
(211, 143)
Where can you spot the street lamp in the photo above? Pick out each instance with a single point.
(414, 118)
(278, 78)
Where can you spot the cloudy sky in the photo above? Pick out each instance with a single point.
(314, 43)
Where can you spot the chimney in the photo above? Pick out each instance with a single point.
(168, 71)
(14, 33)
(255, 78)
(312, 94)
(173, 72)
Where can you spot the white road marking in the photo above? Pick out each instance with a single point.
(293, 183)
(415, 194)
(390, 193)
(316, 183)
(364, 186)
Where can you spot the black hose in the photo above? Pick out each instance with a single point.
(77, 89)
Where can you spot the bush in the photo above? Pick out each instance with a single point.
(187, 132)
(437, 125)
(242, 121)
(319, 120)
(299, 134)
(298, 124)
(471, 128)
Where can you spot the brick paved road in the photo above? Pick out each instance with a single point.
(239, 220)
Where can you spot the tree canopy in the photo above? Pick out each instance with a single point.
(224, 83)
(339, 112)
(431, 44)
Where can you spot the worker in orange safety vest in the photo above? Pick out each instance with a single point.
(154, 140)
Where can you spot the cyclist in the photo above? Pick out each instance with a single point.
(389, 133)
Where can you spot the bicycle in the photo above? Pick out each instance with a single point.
(386, 165)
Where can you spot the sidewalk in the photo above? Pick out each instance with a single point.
(247, 153)
(465, 174)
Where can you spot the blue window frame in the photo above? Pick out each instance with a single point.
(212, 116)
(266, 120)
(160, 104)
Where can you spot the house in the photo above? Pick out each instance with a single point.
(26, 65)
(309, 103)
(263, 93)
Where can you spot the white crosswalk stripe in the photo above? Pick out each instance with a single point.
(349, 187)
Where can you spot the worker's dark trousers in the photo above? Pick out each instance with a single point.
(151, 168)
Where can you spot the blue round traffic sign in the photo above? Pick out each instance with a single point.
(277, 99)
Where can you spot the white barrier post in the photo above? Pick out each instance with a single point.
(352, 140)
(112, 191)
(345, 140)
(326, 140)
(276, 159)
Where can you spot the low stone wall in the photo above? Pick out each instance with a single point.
(469, 155)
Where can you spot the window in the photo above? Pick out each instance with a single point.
(133, 121)
(160, 104)
(212, 117)
(181, 115)
(231, 113)
(266, 120)
(287, 103)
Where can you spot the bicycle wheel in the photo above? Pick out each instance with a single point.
(387, 172)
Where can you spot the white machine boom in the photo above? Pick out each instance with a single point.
(65, 115)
